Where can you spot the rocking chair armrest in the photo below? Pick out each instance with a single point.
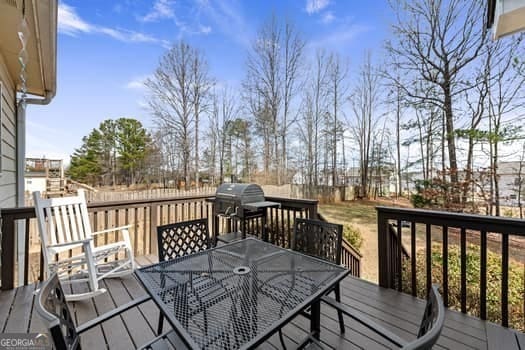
(82, 241)
(112, 229)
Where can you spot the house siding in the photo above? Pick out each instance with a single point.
(8, 140)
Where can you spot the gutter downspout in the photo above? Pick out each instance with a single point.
(21, 135)
(20, 172)
(21, 141)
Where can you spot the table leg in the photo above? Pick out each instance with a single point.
(315, 319)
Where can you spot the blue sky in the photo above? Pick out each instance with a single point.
(107, 48)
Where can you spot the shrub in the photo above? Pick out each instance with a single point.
(353, 236)
(516, 282)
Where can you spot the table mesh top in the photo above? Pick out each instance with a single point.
(226, 296)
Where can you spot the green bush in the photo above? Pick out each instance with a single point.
(516, 282)
(353, 236)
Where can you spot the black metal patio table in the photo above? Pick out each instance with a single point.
(237, 295)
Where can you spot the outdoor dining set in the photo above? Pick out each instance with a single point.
(211, 294)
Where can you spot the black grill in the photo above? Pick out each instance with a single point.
(241, 202)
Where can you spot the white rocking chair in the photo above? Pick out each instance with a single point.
(65, 229)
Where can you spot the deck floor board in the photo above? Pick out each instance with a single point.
(398, 312)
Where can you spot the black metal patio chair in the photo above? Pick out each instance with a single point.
(429, 329)
(181, 239)
(323, 240)
(52, 307)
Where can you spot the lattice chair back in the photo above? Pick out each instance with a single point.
(52, 307)
(318, 238)
(432, 322)
(182, 238)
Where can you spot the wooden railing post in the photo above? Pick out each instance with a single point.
(8, 253)
(153, 222)
(382, 249)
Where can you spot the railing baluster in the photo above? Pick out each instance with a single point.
(505, 281)
(428, 237)
(483, 277)
(26, 250)
(444, 247)
(42, 269)
(399, 255)
(144, 230)
(463, 263)
(413, 257)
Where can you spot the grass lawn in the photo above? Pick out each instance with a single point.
(361, 215)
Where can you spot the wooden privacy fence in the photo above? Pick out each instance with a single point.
(144, 216)
(420, 247)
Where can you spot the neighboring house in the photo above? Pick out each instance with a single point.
(44, 175)
(40, 74)
(509, 182)
(506, 17)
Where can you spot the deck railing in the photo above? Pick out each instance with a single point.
(143, 215)
(452, 244)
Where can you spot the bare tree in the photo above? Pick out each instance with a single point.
(270, 87)
(228, 110)
(293, 48)
(505, 104)
(319, 97)
(171, 100)
(338, 74)
(364, 101)
(436, 41)
(200, 89)
(263, 86)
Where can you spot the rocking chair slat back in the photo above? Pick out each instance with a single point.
(62, 220)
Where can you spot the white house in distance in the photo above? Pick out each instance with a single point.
(44, 175)
(506, 17)
(33, 22)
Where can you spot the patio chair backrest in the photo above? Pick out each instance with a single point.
(318, 238)
(432, 322)
(52, 307)
(62, 220)
(182, 238)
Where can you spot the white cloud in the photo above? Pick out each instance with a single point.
(205, 29)
(70, 23)
(314, 6)
(137, 83)
(339, 37)
(162, 9)
(227, 18)
(328, 17)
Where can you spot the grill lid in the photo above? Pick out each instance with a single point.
(241, 194)
(230, 196)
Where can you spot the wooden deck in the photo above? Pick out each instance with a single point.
(399, 312)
